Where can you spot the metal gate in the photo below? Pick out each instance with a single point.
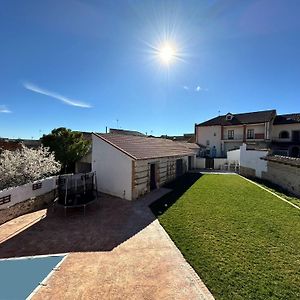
(209, 163)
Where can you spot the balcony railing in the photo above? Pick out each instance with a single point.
(240, 137)
(277, 139)
(259, 136)
(236, 137)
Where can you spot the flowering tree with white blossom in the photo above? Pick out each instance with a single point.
(26, 165)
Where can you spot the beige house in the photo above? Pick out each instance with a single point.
(230, 131)
(259, 130)
(128, 166)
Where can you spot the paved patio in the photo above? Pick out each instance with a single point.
(117, 251)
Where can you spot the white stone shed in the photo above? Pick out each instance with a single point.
(129, 166)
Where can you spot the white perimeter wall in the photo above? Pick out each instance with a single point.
(24, 192)
(234, 155)
(200, 163)
(113, 169)
(252, 159)
(219, 162)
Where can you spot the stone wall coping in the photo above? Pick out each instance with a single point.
(291, 161)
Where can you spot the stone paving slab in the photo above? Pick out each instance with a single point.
(117, 251)
(17, 225)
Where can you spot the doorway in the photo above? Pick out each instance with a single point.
(209, 163)
(179, 167)
(296, 136)
(152, 177)
(190, 162)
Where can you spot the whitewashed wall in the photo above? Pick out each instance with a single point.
(234, 155)
(24, 192)
(238, 132)
(258, 128)
(200, 163)
(212, 134)
(113, 169)
(252, 159)
(219, 162)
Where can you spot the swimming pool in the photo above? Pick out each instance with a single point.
(20, 276)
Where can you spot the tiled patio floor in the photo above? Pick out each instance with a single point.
(117, 251)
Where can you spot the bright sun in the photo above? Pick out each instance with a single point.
(167, 53)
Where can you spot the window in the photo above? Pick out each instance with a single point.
(284, 135)
(207, 143)
(229, 117)
(296, 135)
(230, 134)
(250, 133)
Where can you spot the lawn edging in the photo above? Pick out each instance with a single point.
(281, 198)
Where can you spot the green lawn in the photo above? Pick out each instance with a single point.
(280, 192)
(242, 241)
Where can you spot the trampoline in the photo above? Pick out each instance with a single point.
(77, 190)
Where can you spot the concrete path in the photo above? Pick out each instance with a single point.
(212, 171)
(117, 251)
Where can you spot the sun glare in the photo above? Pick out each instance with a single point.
(167, 53)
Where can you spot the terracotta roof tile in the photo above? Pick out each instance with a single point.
(139, 147)
(10, 145)
(287, 119)
(239, 119)
(292, 161)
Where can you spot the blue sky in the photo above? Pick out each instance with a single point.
(86, 64)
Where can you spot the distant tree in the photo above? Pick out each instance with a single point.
(26, 165)
(69, 146)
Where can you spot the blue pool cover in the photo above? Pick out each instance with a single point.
(19, 277)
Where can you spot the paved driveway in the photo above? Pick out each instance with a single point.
(117, 251)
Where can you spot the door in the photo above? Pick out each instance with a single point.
(179, 167)
(209, 163)
(152, 177)
(190, 162)
(296, 136)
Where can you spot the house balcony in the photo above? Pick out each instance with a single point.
(240, 138)
(281, 140)
(235, 138)
(257, 137)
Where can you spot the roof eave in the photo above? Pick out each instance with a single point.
(177, 155)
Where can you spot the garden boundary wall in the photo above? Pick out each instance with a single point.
(26, 198)
(284, 172)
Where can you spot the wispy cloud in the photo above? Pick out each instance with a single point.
(199, 88)
(66, 100)
(4, 109)
(185, 87)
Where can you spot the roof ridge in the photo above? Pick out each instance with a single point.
(241, 118)
(251, 112)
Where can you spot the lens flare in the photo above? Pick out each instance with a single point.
(167, 53)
